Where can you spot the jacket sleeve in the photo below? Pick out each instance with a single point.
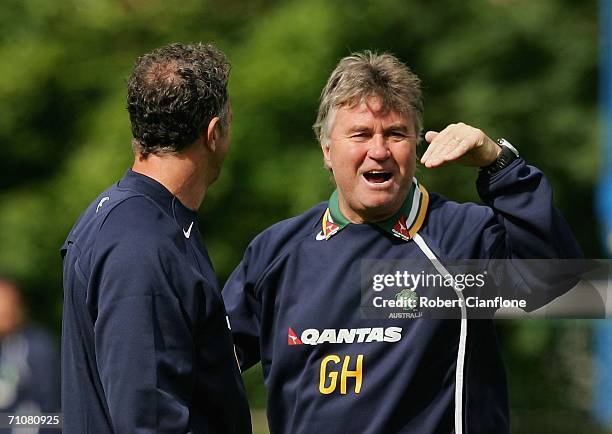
(522, 200)
(143, 333)
(244, 310)
(532, 241)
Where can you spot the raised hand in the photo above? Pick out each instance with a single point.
(459, 143)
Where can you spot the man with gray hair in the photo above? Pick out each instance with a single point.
(300, 302)
(146, 345)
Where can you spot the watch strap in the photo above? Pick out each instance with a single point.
(507, 155)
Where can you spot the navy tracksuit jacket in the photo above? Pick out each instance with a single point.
(294, 303)
(145, 341)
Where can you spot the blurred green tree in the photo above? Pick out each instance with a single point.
(515, 68)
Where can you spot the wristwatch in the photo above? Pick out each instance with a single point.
(507, 155)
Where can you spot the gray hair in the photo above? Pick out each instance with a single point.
(365, 74)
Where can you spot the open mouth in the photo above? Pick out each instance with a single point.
(377, 177)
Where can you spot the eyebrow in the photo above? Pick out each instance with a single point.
(403, 128)
(358, 128)
(394, 127)
(397, 127)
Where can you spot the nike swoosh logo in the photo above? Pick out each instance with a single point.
(320, 236)
(187, 232)
(104, 199)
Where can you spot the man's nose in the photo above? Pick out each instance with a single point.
(378, 147)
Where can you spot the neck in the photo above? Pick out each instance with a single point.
(179, 173)
(365, 216)
(370, 215)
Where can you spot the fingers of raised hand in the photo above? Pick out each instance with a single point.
(450, 144)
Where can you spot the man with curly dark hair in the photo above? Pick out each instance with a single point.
(146, 345)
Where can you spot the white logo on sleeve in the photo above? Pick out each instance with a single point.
(187, 232)
(104, 199)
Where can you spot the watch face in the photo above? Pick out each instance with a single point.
(507, 144)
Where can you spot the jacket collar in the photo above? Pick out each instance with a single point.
(161, 195)
(404, 224)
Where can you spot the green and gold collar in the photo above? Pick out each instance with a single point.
(403, 224)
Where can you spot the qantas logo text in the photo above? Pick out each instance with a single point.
(344, 336)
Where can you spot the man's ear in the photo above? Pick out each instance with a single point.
(213, 132)
(325, 147)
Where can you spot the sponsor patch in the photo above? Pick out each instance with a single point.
(292, 338)
(345, 336)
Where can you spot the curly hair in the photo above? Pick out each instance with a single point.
(364, 74)
(173, 93)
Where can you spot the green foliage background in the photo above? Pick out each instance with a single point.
(521, 69)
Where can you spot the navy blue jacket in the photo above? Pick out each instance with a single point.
(145, 341)
(294, 304)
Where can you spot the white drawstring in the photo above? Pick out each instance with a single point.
(462, 334)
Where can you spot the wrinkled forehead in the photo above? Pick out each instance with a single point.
(378, 105)
(362, 109)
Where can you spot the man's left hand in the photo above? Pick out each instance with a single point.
(461, 143)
